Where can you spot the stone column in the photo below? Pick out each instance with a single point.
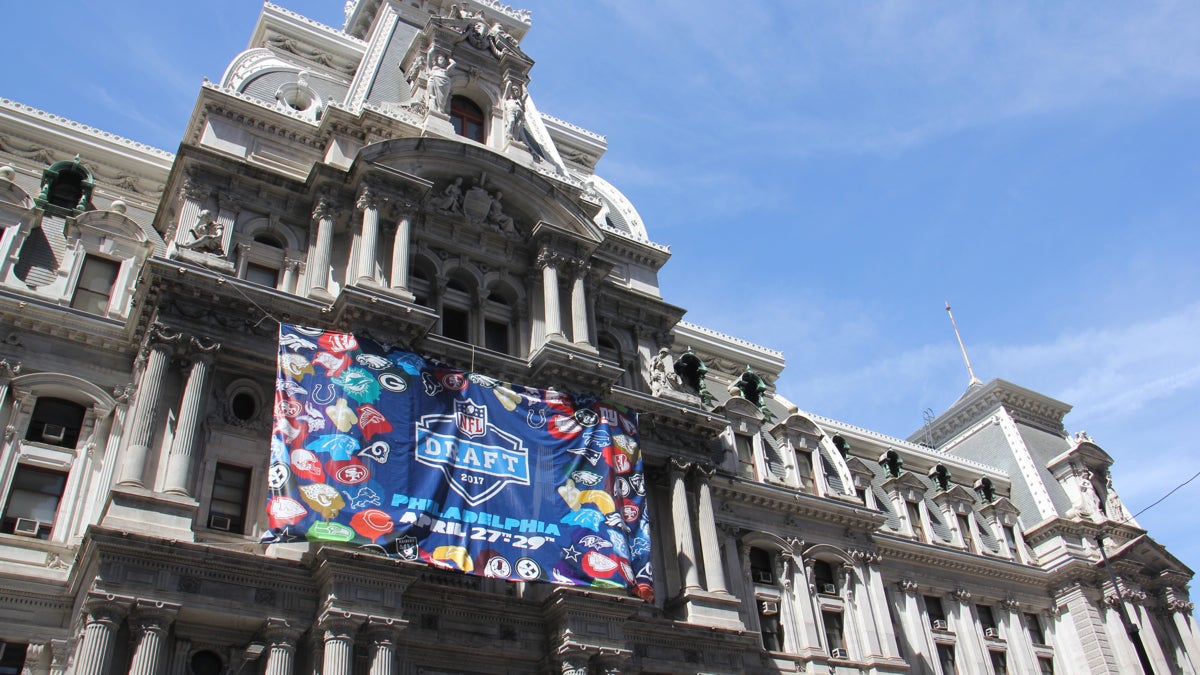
(685, 549)
(574, 662)
(150, 622)
(549, 261)
(367, 259)
(291, 270)
(1020, 648)
(60, 658)
(383, 635)
(319, 254)
(579, 313)
(243, 260)
(914, 626)
(100, 630)
(399, 276)
(969, 644)
(281, 647)
(157, 354)
(179, 463)
(338, 631)
(710, 548)
(1181, 617)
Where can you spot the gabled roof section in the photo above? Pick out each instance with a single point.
(1025, 405)
(1150, 556)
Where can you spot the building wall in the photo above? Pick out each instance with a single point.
(323, 182)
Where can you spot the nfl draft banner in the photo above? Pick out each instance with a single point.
(424, 462)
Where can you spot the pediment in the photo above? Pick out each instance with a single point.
(111, 223)
(12, 194)
(526, 196)
(1150, 556)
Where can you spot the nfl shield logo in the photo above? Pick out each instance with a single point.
(470, 418)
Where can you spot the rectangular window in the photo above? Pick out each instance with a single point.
(94, 289)
(745, 454)
(262, 275)
(230, 496)
(946, 658)
(987, 621)
(999, 662)
(1034, 626)
(833, 630)
(914, 520)
(964, 529)
(1045, 665)
(56, 421)
(12, 658)
(804, 469)
(495, 335)
(937, 615)
(33, 501)
(1010, 538)
(456, 324)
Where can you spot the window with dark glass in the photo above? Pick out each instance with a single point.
(94, 290)
(834, 633)
(772, 627)
(262, 275)
(456, 324)
(55, 421)
(914, 520)
(946, 658)
(964, 528)
(33, 500)
(937, 615)
(1045, 665)
(804, 464)
(1010, 538)
(824, 578)
(999, 662)
(12, 658)
(230, 495)
(760, 566)
(1034, 626)
(987, 621)
(467, 118)
(495, 335)
(744, 443)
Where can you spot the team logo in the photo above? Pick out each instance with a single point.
(478, 458)
(528, 569)
(497, 567)
(406, 548)
(351, 474)
(470, 418)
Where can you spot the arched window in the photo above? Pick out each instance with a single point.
(66, 188)
(467, 118)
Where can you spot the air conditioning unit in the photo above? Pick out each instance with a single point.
(223, 523)
(770, 608)
(940, 624)
(27, 527)
(839, 653)
(991, 633)
(763, 577)
(829, 589)
(53, 433)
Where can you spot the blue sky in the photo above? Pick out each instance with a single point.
(829, 174)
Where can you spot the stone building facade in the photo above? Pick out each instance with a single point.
(394, 178)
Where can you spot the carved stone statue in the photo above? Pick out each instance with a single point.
(206, 234)
(662, 373)
(437, 87)
(514, 111)
(497, 217)
(451, 199)
(499, 39)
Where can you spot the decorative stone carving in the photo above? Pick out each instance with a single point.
(961, 594)
(206, 234)
(663, 377)
(437, 86)
(908, 586)
(1011, 604)
(692, 373)
(451, 199)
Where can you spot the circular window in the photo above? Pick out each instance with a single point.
(206, 662)
(244, 405)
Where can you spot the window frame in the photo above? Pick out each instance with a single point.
(78, 287)
(464, 110)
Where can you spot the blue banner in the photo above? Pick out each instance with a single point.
(424, 462)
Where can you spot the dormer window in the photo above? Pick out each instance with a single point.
(66, 188)
(94, 290)
(467, 118)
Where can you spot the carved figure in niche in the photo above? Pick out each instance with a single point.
(437, 87)
(662, 373)
(206, 234)
(497, 217)
(514, 111)
(1089, 501)
(692, 373)
(1115, 507)
(499, 40)
(451, 199)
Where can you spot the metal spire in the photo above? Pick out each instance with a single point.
(966, 360)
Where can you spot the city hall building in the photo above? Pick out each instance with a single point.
(393, 179)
